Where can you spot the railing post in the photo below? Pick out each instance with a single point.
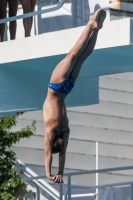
(96, 169)
(65, 197)
(83, 13)
(74, 11)
(131, 191)
(37, 189)
(69, 187)
(61, 191)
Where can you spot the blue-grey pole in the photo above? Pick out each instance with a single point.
(69, 187)
(74, 11)
(61, 191)
(37, 189)
(83, 13)
(131, 192)
(65, 194)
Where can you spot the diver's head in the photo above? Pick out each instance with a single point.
(58, 144)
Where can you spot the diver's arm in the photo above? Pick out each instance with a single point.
(48, 141)
(62, 156)
(58, 178)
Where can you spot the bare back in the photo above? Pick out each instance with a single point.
(54, 112)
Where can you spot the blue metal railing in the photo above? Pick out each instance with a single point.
(37, 189)
(68, 195)
(60, 4)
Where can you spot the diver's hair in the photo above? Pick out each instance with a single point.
(58, 144)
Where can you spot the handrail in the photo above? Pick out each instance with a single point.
(91, 172)
(9, 19)
(68, 191)
(96, 186)
(46, 2)
(45, 187)
(102, 185)
(42, 184)
(87, 172)
(37, 189)
(82, 195)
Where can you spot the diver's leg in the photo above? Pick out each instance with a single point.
(65, 67)
(88, 50)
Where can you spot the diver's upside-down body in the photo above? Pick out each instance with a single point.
(61, 83)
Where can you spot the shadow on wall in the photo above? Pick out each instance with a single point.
(97, 6)
(25, 193)
(87, 8)
(82, 10)
(56, 23)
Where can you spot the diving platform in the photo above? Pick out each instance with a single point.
(26, 65)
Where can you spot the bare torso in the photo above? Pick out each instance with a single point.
(54, 112)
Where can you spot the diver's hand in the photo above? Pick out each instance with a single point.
(58, 178)
(50, 177)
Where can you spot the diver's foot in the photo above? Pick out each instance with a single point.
(101, 18)
(97, 19)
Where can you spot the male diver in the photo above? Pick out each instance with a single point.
(61, 83)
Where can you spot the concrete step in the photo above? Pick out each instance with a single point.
(116, 96)
(89, 120)
(104, 150)
(78, 132)
(106, 108)
(34, 115)
(122, 76)
(74, 161)
(99, 121)
(114, 84)
(22, 123)
(82, 147)
(101, 135)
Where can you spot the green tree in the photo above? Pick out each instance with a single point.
(10, 180)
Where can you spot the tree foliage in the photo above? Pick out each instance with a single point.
(10, 180)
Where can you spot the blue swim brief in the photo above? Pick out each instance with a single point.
(63, 87)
